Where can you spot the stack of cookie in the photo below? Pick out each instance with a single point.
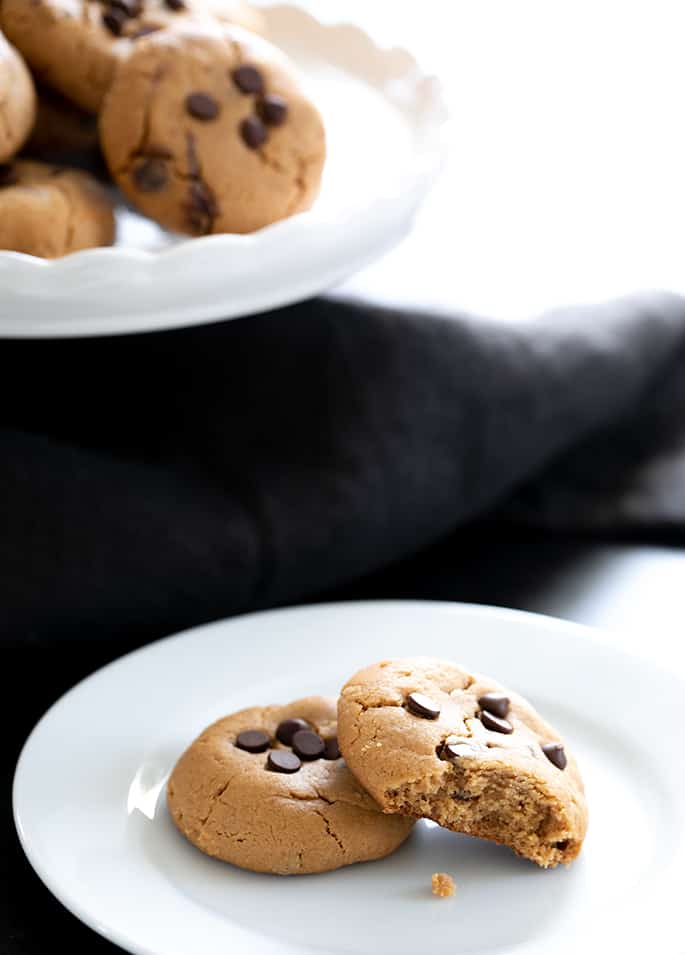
(201, 122)
(315, 785)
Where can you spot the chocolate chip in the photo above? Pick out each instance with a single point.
(248, 79)
(175, 5)
(273, 109)
(286, 729)
(143, 31)
(253, 131)
(114, 20)
(201, 208)
(494, 723)
(308, 745)
(495, 703)
(331, 749)
(421, 705)
(151, 175)
(460, 749)
(252, 741)
(282, 761)
(202, 106)
(130, 8)
(8, 174)
(555, 754)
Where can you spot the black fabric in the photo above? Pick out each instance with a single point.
(153, 482)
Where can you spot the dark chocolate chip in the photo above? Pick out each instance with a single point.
(130, 8)
(331, 749)
(308, 745)
(114, 20)
(202, 106)
(494, 723)
(495, 703)
(460, 749)
(287, 728)
(143, 31)
(282, 761)
(151, 175)
(253, 741)
(253, 131)
(8, 174)
(272, 109)
(421, 705)
(201, 208)
(555, 754)
(175, 5)
(248, 79)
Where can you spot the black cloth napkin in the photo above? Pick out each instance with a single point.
(153, 482)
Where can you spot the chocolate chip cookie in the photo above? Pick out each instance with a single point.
(267, 790)
(17, 101)
(206, 130)
(75, 45)
(51, 211)
(429, 739)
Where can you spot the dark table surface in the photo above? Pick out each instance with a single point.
(634, 592)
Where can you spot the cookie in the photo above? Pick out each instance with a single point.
(206, 130)
(74, 45)
(266, 789)
(51, 211)
(17, 101)
(427, 738)
(63, 133)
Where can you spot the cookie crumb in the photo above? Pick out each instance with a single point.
(442, 885)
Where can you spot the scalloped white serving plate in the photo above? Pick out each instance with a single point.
(90, 810)
(385, 121)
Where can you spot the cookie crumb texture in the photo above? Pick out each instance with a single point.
(206, 130)
(50, 211)
(17, 101)
(74, 46)
(457, 762)
(442, 885)
(243, 795)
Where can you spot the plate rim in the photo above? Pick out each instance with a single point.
(589, 635)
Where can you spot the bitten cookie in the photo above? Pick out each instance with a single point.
(17, 101)
(75, 45)
(51, 211)
(266, 789)
(206, 130)
(427, 738)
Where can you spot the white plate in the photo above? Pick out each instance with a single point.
(385, 122)
(90, 810)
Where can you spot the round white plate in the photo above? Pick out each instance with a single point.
(90, 811)
(385, 121)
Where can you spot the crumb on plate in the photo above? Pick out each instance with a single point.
(442, 885)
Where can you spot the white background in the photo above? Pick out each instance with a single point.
(566, 178)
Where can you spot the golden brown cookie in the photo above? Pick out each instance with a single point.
(206, 130)
(266, 789)
(51, 211)
(17, 101)
(427, 738)
(75, 45)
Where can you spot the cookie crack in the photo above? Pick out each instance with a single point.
(214, 799)
(330, 831)
(142, 145)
